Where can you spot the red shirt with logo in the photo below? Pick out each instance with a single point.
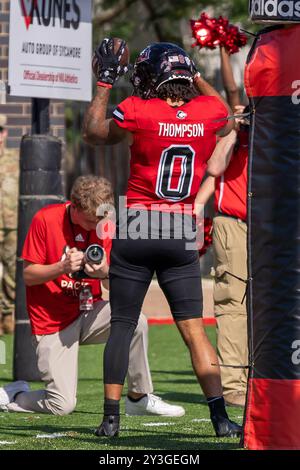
(54, 305)
(231, 187)
(171, 146)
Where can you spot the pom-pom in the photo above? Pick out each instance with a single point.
(214, 32)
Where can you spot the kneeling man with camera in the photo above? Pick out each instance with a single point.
(65, 266)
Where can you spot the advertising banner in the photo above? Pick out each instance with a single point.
(50, 49)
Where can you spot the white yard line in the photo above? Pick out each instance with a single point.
(55, 435)
(201, 420)
(158, 424)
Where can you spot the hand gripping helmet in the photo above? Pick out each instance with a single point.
(158, 64)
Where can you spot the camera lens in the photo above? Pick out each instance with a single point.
(94, 254)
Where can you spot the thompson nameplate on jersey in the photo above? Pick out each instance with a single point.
(180, 130)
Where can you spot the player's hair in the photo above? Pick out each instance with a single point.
(177, 90)
(90, 192)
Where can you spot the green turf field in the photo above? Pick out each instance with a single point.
(173, 380)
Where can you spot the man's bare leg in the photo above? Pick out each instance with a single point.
(203, 356)
(113, 391)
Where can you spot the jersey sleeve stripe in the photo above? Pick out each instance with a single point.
(118, 114)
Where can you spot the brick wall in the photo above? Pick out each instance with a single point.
(18, 109)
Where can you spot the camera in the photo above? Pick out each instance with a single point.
(94, 255)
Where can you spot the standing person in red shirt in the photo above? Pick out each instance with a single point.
(228, 168)
(66, 310)
(172, 133)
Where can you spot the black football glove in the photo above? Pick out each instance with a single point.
(106, 63)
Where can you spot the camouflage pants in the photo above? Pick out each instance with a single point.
(8, 247)
(9, 184)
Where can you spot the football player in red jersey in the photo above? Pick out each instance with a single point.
(171, 124)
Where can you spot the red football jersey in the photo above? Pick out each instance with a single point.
(171, 146)
(54, 305)
(231, 187)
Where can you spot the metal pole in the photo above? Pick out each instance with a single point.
(40, 121)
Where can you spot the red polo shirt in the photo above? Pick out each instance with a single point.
(54, 305)
(231, 187)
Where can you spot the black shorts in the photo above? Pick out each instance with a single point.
(133, 263)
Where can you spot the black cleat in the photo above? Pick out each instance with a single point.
(109, 427)
(225, 428)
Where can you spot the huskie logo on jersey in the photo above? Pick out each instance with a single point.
(181, 115)
(275, 9)
(180, 130)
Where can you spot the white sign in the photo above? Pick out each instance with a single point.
(50, 49)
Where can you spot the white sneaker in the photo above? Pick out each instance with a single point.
(14, 407)
(152, 405)
(9, 391)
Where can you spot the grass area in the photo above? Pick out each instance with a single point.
(173, 380)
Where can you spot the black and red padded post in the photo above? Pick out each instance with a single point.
(272, 80)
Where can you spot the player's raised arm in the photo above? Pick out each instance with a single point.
(107, 68)
(205, 88)
(205, 192)
(230, 86)
(221, 156)
(96, 128)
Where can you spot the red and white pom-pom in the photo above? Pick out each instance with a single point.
(234, 40)
(213, 32)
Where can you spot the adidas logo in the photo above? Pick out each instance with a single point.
(79, 238)
(275, 10)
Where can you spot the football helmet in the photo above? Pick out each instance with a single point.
(159, 63)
